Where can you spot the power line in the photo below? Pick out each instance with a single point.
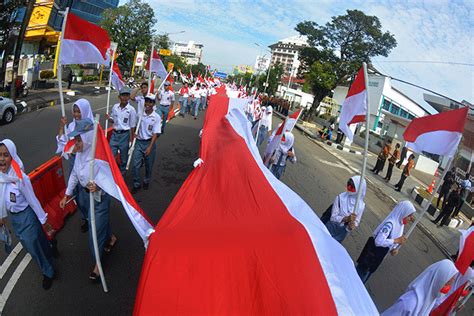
(425, 62)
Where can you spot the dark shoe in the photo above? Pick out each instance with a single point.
(54, 247)
(397, 189)
(135, 190)
(109, 246)
(85, 226)
(146, 186)
(195, 118)
(47, 282)
(94, 277)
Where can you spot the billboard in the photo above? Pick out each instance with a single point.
(140, 58)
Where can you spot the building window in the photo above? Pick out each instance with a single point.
(386, 105)
(411, 116)
(403, 113)
(395, 109)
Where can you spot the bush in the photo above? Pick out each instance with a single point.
(91, 78)
(5, 94)
(46, 74)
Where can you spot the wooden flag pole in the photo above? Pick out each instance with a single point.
(92, 206)
(59, 72)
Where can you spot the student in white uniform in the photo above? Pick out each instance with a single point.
(25, 211)
(145, 147)
(265, 125)
(283, 153)
(124, 118)
(166, 98)
(196, 95)
(421, 295)
(387, 237)
(344, 218)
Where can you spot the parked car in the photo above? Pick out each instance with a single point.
(7, 110)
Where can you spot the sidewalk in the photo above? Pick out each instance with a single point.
(446, 238)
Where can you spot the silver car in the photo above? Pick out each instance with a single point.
(7, 110)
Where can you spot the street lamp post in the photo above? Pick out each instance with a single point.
(269, 66)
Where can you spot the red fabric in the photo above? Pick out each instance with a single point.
(466, 256)
(357, 119)
(358, 85)
(16, 167)
(449, 303)
(452, 121)
(227, 245)
(152, 85)
(116, 69)
(199, 78)
(81, 30)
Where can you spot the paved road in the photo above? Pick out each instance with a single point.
(318, 177)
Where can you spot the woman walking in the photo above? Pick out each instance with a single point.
(284, 152)
(25, 211)
(265, 125)
(387, 236)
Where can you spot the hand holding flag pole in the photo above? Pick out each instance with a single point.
(92, 206)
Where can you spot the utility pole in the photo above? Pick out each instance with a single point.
(19, 43)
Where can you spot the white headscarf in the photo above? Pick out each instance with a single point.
(395, 218)
(10, 176)
(86, 112)
(267, 117)
(286, 145)
(348, 199)
(421, 294)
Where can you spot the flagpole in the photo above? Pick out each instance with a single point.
(60, 66)
(134, 60)
(366, 145)
(132, 147)
(114, 50)
(150, 60)
(92, 206)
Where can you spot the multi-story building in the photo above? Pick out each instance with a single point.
(286, 53)
(191, 51)
(91, 10)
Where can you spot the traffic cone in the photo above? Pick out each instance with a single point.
(431, 187)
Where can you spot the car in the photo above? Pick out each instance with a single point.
(7, 110)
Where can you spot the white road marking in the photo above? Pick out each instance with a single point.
(7, 263)
(13, 280)
(333, 164)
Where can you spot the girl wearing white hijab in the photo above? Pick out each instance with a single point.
(343, 216)
(81, 109)
(421, 294)
(265, 125)
(387, 236)
(26, 213)
(284, 152)
(84, 136)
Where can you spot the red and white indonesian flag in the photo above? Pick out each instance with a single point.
(466, 250)
(287, 126)
(437, 134)
(156, 65)
(109, 179)
(252, 246)
(83, 43)
(354, 107)
(117, 81)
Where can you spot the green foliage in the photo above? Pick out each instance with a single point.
(5, 94)
(46, 74)
(91, 78)
(337, 50)
(179, 62)
(131, 26)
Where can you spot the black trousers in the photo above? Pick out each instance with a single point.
(379, 165)
(442, 194)
(389, 171)
(400, 183)
(444, 215)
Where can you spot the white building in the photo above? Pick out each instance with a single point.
(286, 52)
(191, 51)
(262, 63)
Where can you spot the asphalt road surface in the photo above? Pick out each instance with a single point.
(317, 177)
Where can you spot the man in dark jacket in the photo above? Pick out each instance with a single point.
(403, 155)
(453, 200)
(446, 186)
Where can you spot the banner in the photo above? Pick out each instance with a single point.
(140, 59)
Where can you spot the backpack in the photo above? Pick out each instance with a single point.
(326, 217)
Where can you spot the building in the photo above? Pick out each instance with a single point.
(262, 63)
(191, 51)
(91, 10)
(242, 69)
(286, 53)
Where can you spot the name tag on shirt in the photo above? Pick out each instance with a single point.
(150, 128)
(125, 120)
(12, 197)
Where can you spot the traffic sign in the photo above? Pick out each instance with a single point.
(165, 52)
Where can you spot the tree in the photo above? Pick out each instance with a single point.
(131, 26)
(337, 50)
(276, 71)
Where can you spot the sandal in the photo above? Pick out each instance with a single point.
(108, 247)
(94, 277)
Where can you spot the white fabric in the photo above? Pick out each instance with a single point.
(421, 294)
(150, 125)
(344, 203)
(464, 235)
(15, 193)
(166, 97)
(184, 92)
(459, 281)
(124, 118)
(443, 143)
(349, 293)
(267, 118)
(352, 106)
(116, 82)
(80, 52)
(288, 143)
(158, 68)
(393, 224)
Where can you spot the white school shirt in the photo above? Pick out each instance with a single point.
(124, 118)
(16, 201)
(150, 125)
(184, 92)
(196, 93)
(166, 97)
(203, 92)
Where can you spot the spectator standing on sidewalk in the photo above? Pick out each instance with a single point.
(183, 99)
(382, 157)
(386, 237)
(403, 155)
(391, 162)
(448, 182)
(70, 77)
(166, 98)
(454, 199)
(406, 172)
(465, 190)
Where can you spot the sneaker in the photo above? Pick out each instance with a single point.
(146, 186)
(47, 282)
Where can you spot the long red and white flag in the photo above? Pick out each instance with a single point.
(83, 43)
(466, 250)
(156, 65)
(437, 134)
(251, 247)
(109, 179)
(287, 126)
(354, 107)
(117, 81)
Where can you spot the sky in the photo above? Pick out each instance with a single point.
(428, 31)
